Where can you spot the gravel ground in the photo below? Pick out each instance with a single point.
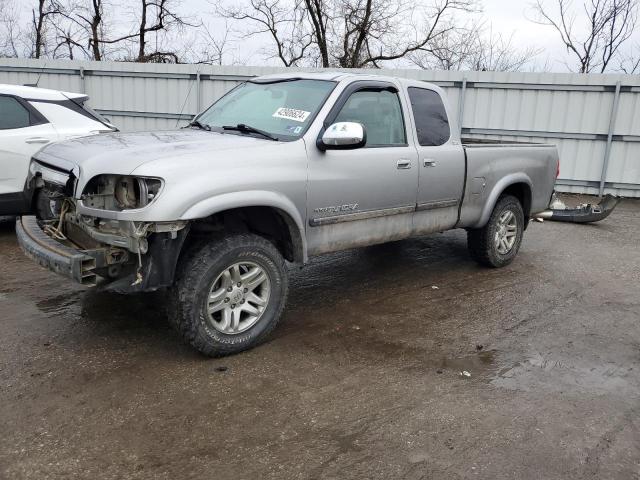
(362, 379)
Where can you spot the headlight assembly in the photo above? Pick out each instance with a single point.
(120, 192)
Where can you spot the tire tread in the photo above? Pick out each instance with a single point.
(480, 240)
(183, 311)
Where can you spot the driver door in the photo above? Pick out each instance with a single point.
(367, 195)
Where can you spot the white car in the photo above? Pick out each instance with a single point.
(31, 118)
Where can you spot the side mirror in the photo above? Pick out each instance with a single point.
(343, 136)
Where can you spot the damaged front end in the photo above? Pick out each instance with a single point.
(130, 256)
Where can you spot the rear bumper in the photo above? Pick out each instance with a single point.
(585, 213)
(75, 264)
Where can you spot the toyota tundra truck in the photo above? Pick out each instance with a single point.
(279, 169)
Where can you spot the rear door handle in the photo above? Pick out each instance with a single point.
(37, 140)
(404, 163)
(428, 162)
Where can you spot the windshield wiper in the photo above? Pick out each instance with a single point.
(241, 127)
(200, 125)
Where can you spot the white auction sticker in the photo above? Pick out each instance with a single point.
(291, 114)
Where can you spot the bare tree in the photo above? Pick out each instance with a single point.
(318, 14)
(283, 21)
(40, 17)
(630, 63)
(90, 15)
(79, 29)
(449, 51)
(609, 24)
(10, 31)
(376, 31)
(67, 40)
(347, 33)
(496, 53)
(475, 48)
(155, 17)
(211, 47)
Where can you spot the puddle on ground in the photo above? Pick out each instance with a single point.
(559, 372)
(478, 363)
(60, 303)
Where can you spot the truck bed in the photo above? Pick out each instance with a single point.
(492, 164)
(479, 142)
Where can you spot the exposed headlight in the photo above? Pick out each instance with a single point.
(116, 192)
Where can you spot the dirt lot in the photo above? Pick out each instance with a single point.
(361, 380)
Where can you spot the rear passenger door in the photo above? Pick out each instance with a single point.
(23, 131)
(441, 163)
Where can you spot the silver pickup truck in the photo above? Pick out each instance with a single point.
(282, 167)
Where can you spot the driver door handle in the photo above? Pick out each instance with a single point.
(37, 140)
(429, 162)
(404, 163)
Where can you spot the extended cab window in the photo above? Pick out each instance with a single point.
(432, 124)
(380, 113)
(12, 114)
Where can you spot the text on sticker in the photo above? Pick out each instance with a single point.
(291, 114)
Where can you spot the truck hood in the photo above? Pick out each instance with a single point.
(122, 153)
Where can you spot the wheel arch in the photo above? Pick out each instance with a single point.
(255, 210)
(516, 184)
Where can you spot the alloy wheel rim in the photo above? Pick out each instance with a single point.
(506, 233)
(238, 298)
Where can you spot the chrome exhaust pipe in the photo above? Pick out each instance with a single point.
(545, 214)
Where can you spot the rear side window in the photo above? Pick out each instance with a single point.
(12, 114)
(432, 124)
(62, 116)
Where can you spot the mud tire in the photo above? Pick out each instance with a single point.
(199, 267)
(480, 241)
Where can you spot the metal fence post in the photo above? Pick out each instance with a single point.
(198, 93)
(607, 150)
(463, 91)
(82, 82)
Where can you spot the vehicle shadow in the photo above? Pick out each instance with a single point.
(358, 276)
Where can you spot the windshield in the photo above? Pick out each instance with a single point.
(284, 109)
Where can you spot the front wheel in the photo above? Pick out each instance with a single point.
(498, 242)
(229, 294)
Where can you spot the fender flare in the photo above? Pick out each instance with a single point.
(500, 186)
(255, 198)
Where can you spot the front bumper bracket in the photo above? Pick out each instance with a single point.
(57, 257)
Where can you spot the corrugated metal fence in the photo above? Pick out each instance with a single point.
(594, 119)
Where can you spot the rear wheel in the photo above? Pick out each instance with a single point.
(498, 242)
(229, 294)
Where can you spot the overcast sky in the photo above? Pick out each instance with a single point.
(507, 17)
(511, 17)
